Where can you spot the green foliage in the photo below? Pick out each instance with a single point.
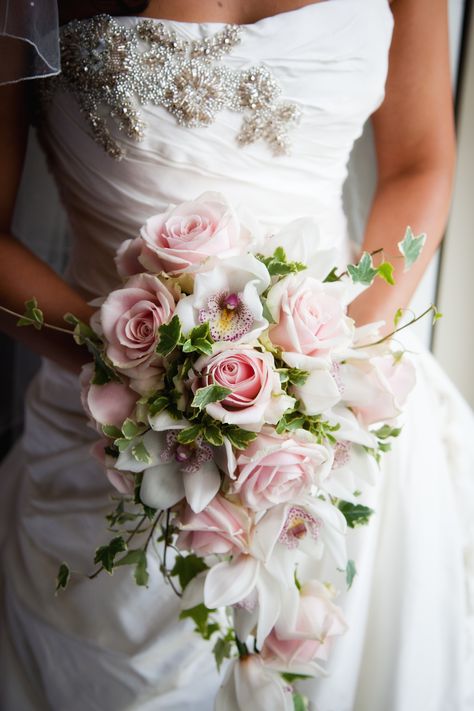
(397, 317)
(33, 315)
(140, 453)
(411, 246)
(120, 515)
(213, 434)
(351, 572)
(355, 514)
(82, 331)
(385, 271)
(200, 616)
(278, 264)
(296, 420)
(209, 394)
(387, 431)
(238, 437)
(199, 340)
(63, 577)
(223, 648)
(300, 703)
(189, 434)
(294, 376)
(157, 403)
(333, 276)
(363, 272)
(187, 567)
(136, 557)
(131, 429)
(170, 336)
(105, 555)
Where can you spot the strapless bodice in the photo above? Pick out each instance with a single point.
(324, 65)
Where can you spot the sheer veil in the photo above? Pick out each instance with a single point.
(29, 39)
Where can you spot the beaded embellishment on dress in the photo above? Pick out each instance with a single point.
(112, 69)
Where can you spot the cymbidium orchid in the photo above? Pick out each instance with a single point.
(228, 298)
(249, 684)
(173, 471)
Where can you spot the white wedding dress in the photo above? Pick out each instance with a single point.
(108, 645)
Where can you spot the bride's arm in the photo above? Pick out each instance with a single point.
(415, 145)
(22, 274)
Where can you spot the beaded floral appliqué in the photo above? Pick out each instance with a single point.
(112, 70)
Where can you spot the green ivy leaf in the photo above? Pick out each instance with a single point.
(105, 555)
(130, 429)
(278, 264)
(170, 335)
(200, 616)
(111, 431)
(199, 340)
(136, 557)
(332, 276)
(355, 514)
(300, 703)
(223, 648)
(63, 577)
(387, 431)
(189, 434)
(364, 272)
(82, 331)
(140, 453)
(213, 435)
(209, 394)
(397, 317)
(157, 404)
(33, 315)
(187, 567)
(351, 572)
(436, 315)
(411, 246)
(238, 437)
(385, 271)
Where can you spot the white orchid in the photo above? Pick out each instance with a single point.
(249, 684)
(228, 298)
(173, 471)
(261, 579)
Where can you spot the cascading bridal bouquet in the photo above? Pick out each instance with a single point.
(241, 415)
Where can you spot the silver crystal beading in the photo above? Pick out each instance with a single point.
(112, 70)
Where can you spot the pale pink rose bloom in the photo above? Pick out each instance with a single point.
(126, 258)
(124, 482)
(248, 684)
(315, 617)
(130, 318)
(108, 404)
(310, 319)
(189, 233)
(377, 389)
(221, 528)
(304, 633)
(256, 397)
(275, 469)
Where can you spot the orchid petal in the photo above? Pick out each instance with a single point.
(228, 583)
(201, 486)
(162, 486)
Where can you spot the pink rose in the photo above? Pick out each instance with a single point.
(124, 482)
(274, 469)
(187, 234)
(126, 258)
(310, 319)
(221, 528)
(376, 389)
(256, 397)
(108, 404)
(130, 318)
(304, 634)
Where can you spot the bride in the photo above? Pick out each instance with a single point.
(107, 644)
